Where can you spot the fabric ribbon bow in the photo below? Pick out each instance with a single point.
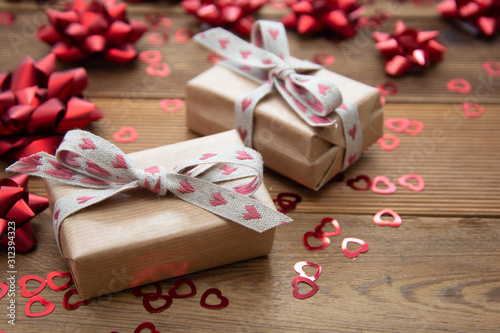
(266, 60)
(86, 160)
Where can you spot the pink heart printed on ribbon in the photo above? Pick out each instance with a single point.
(354, 254)
(382, 142)
(126, 134)
(53, 286)
(460, 86)
(299, 268)
(301, 279)
(325, 241)
(24, 289)
(146, 324)
(223, 301)
(472, 110)
(73, 306)
(49, 307)
(171, 105)
(390, 187)
(397, 124)
(403, 181)
(351, 182)
(172, 292)
(415, 127)
(492, 68)
(319, 228)
(396, 219)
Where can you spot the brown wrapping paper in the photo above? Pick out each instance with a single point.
(308, 155)
(138, 238)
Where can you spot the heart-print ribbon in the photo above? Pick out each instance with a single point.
(86, 160)
(266, 60)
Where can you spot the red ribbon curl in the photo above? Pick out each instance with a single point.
(19, 206)
(233, 15)
(337, 17)
(38, 104)
(474, 16)
(92, 30)
(408, 49)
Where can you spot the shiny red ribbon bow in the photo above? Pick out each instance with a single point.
(408, 48)
(234, 15)
(98, 29)
(475, 16)
(36, 103)
(19, 206)
(337, 17)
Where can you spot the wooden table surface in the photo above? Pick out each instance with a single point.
(438, 271)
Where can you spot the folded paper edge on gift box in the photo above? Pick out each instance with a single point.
(138, 238)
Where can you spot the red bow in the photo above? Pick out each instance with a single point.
(234, 15)
(19, 206)
(97, 29)
(338, 17)
(36, 102)
(408, 48)
(476, 16)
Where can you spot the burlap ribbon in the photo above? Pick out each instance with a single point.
(86, 160)
(266, 60)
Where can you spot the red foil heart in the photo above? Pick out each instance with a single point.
(397, 124)
(418, 127)
(354, 254)
(137, 291)
(97, 29)
(171, 105)
(319, 228)
(387, 88)
(183, 36)
(150, 56)
(391, 188)
(144, 325)
(408, 48)
(49, 307)
(403, 181)
(382, 142)
(146, 301)
(460, 86)
(492, 68)
(288, 200)
(396, 222)
(224, 302)
(126, 134)
(299, 268)
(472, 110)
(158, 39)
(295, 283)
(172, 292)
(351, 182)
(4, 287)
(24, 291)
(53, 286)
(323, 58)
(72, 306)
(324, 240)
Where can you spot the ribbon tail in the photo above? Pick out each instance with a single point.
(226, 203)
(244, 109)
(69, 205)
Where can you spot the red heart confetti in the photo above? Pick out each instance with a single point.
(299, 268)
(403, 181)
(214, 57)
(150, 56)
(126, 134)
(324, 240)
(458, 85)
(418, 127)
(72, 306)
(351, 182)
(172, 292)
(183, 36)
(295, 283)
(288, 201)
(396, 222)
(472, 110)
(24, 290)
(144, 325)
(224, 302)
(7, 18)
(4, 287)
(391, 188)
(146, 301)
(319, 228)
(382, 142)
(387, 88)
(53, 286)
(137, 291)
(157, 38)
(49, 307)
(397, 124)
(382, 100)
(171, 105)
(354, 254)
(323, 58)
(492, 68)
(160, 69)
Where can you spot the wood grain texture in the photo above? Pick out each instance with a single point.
(438, 271)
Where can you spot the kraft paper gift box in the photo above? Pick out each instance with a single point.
(137, 238)
(309, 155)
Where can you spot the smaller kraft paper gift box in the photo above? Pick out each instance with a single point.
(207, 208)
(307, 127)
